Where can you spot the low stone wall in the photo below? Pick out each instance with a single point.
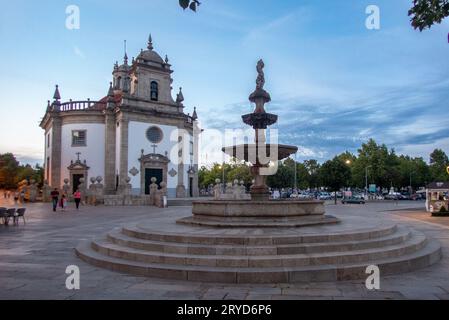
(127, 200)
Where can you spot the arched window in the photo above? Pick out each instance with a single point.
(119, 83)
(154, 94)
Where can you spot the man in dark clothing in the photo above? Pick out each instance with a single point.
(55, 197)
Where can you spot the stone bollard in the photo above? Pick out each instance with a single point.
(236, 190)
(33, 191)
(217, 190)
(160, 195)
(92, 193)
(82, 189)
(99, 190)
(66, 189)
(153, 191)
(46, 191)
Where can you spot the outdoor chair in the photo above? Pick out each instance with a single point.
(3, 215)
(10, 213)
(20, 214)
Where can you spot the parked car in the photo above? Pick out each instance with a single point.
(324, 196)
(391, 197)
(356, 200)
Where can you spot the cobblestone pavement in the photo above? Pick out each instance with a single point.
(34, 257)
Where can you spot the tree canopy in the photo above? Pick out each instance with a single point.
(426, 13)
(380, 165)
(11, 172)
(191, 4)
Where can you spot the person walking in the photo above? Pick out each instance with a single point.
(16, 196)
(55, 197)
(77, 198)
(63, 202)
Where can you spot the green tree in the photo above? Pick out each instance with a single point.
(191, 4)
(377, 163)
(335, 174)
(425, 13)
(240, 171)
(438, 165)
(8, 170)
(414, 171)
(284, 177)
(313, 168)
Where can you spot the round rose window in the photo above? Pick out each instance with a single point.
(154, 135)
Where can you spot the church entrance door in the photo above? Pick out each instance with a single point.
(76, 181)
(150, 173)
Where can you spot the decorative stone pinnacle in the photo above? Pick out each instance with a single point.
(150, 43)
(180, 96)
(57, 95)
(111, 91)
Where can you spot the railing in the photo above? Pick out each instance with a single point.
(82, 105)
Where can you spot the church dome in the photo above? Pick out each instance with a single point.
(150, 55)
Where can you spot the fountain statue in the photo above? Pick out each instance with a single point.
(259, 211)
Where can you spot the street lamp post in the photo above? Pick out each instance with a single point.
(296, 174)
(366, 180)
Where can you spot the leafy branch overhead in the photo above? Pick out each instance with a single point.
(425, 13)
(191, 4)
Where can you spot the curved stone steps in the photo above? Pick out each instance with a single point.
(279, 239)
(249, 222)
(429, 254)
(415, 243)
(121, 239)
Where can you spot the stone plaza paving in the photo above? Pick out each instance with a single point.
(34, 257)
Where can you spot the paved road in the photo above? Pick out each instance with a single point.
(33, 259)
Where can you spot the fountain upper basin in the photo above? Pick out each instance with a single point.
(272, 152)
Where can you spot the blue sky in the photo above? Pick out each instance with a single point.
(334, 83)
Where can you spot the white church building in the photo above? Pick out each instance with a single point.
(138, 131)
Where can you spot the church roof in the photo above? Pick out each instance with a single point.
(101, 105)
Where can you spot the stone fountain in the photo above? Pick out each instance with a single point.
(260, 211)
(260, 240)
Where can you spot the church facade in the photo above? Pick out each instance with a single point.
(135, 133)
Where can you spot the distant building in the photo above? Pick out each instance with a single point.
(138, 131)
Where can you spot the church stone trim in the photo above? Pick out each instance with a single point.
(55, 157)
(152, 161)
(81, 168)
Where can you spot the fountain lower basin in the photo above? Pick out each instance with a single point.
(257, 214)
